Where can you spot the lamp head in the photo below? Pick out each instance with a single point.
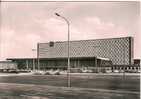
(57, 14)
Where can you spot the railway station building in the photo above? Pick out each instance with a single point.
(83, 53)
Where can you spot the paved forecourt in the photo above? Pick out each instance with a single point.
(86, 86)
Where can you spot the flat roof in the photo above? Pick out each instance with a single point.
(45, 58)
(7, 61)
(86, 40)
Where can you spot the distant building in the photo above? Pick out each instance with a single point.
(7, 65)
(137, 62)
(83, 53)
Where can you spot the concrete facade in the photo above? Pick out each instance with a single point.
(118, 50)
(115, 53)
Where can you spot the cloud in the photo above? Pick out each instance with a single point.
(16, 46)
(25, 24)
(95, 27)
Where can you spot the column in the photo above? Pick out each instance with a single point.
(27, 66)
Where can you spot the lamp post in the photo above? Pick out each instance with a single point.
(34, 60)
(124, 63)
(38, 59)
(68, 68)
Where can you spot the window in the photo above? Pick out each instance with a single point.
(51, 44)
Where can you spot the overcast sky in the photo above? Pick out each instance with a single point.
(23, 24)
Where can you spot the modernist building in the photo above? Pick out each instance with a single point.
(7, 65)
(83, 53)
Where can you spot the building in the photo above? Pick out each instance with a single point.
(83, 53)
(7, 65)
(118, 50)
(137, 62)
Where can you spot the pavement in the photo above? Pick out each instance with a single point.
(14, 74)
(83, 74)
(31, 91)
(85, 86)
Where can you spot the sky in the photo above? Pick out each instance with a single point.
(24, 24)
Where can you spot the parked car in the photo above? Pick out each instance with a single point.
(87, 71)
(13, 71)
(52, 72)
(132, 71)
(108, 71)
(116, 71)
(38, 72)
(121, 71)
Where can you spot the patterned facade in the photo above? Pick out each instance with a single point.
(118, 50)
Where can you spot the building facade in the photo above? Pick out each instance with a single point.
(8, 65)
(118, 50)
(83, 53)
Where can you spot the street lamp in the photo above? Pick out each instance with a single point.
(68, 68)
(34, 60)
(38, 59)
